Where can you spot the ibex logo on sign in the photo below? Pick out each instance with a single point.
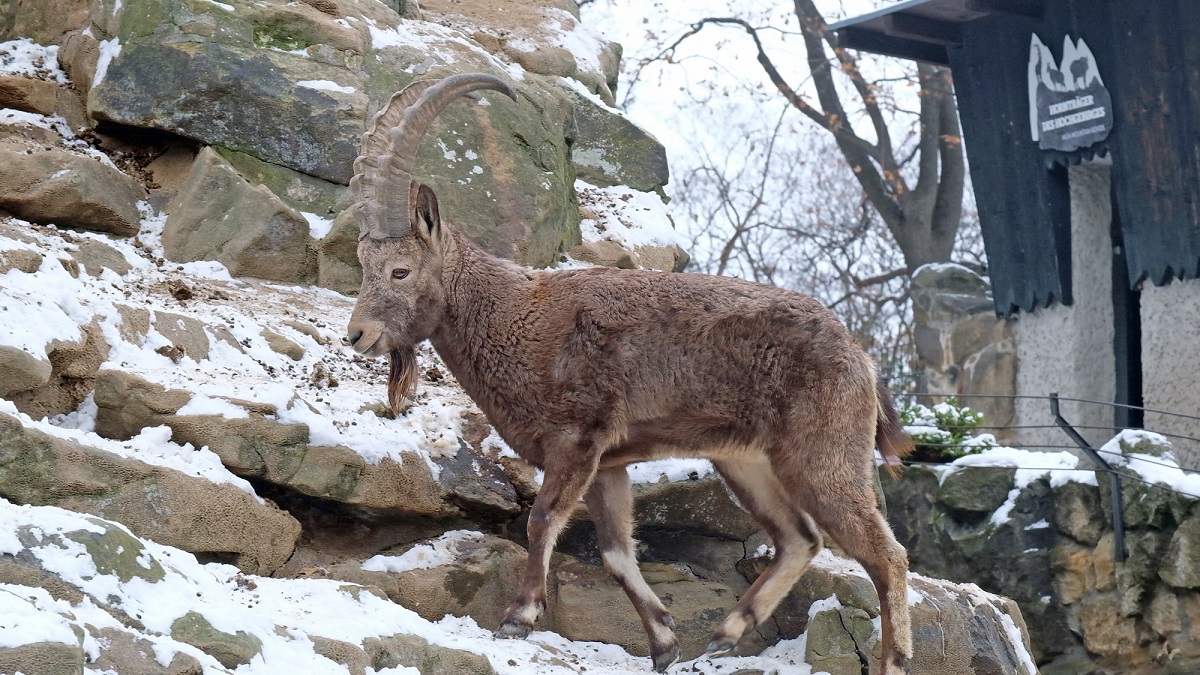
(1069, 108)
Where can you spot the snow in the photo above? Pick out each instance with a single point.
(227, 8)
(285, 614)
(318, 226)
(325, 85)
(109, 50)
(26, 58)
(1162, 470)
(422, 556)
(1060, 467)
(670, 470)
(626, 216)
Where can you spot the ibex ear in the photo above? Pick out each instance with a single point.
(426, 222)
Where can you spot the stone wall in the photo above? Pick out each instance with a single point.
(1049, 546)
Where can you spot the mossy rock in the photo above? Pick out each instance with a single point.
(976, 490)
(230, 649)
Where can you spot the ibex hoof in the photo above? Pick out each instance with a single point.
(513, 631)
(667, 659)
(720, 647)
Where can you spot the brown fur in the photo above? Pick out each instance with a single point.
(583, 372)
(402, 378)
(893, 443)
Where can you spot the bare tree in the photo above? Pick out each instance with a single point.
(916, 187)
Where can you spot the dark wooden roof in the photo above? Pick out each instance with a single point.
(1149, 56)
(921, 30)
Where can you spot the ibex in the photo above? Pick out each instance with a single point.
(583, 372)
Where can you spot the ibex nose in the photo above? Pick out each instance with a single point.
(355, 337)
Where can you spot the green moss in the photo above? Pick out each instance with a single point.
(288, 38)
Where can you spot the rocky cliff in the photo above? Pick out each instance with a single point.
(195, 475)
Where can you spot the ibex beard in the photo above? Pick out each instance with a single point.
(583, 372)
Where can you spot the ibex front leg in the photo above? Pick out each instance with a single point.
(564, 483)
(610, 504)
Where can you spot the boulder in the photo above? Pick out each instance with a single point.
(260, 447)
(28, 94)
(1181, 567)
(703, 506)
(285, 85)
(976, 491)
(589, 605)
(49, 185)
(611, 150)
(21, 371)
(155, 502)
(218, 215)
(20, 259)
(44, 22)
(240, 95)
(429, 659)
(479, 579)
(229, 649)
(95, 256)
(73, 370)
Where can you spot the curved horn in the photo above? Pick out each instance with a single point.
(383, 171)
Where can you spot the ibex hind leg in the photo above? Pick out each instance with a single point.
(610, 504)
(796, 542)
(850, 516)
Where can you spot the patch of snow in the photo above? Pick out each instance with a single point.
(29, 615)
(422, 556)
(325, 85)
(26, 58)
(152, 446)
(626, 216)
(227, 8)
(318, 227)
(200, 404)
(109, 50)
(1039, 525)
(1162, 470)
(670, 470)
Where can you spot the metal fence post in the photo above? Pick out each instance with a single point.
(1117, 503)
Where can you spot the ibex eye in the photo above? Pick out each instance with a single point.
(399, 273)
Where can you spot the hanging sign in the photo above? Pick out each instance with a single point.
(1069, 108)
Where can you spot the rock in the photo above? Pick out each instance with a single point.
(282, 345)
(20, 259)
(43, 22)
(280, 453)
(662, 258)
(591, 606)
(959, 629)
(976, 491)
(1078, 513)
(230, 649)
(298, 190)
(73, 370)
(480, 580)
(1181, 565)
(611, 150)
(1075, 574)
(839, 641)
(1106, 632)
(217, 215)
(21, 371)
(43, 658)
(247, 94)
(50, 185)
(129, 654)
(27, 94)
(1137, 576)
(337, 256)
(429, 659)
(352, 656)
(605, 253)
(155, 502)
(96, 256)
(702, 506)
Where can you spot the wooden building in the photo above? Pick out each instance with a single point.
(1081, 121)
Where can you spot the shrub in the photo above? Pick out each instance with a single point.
(944, 432)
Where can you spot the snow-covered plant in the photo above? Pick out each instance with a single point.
(944, 432)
